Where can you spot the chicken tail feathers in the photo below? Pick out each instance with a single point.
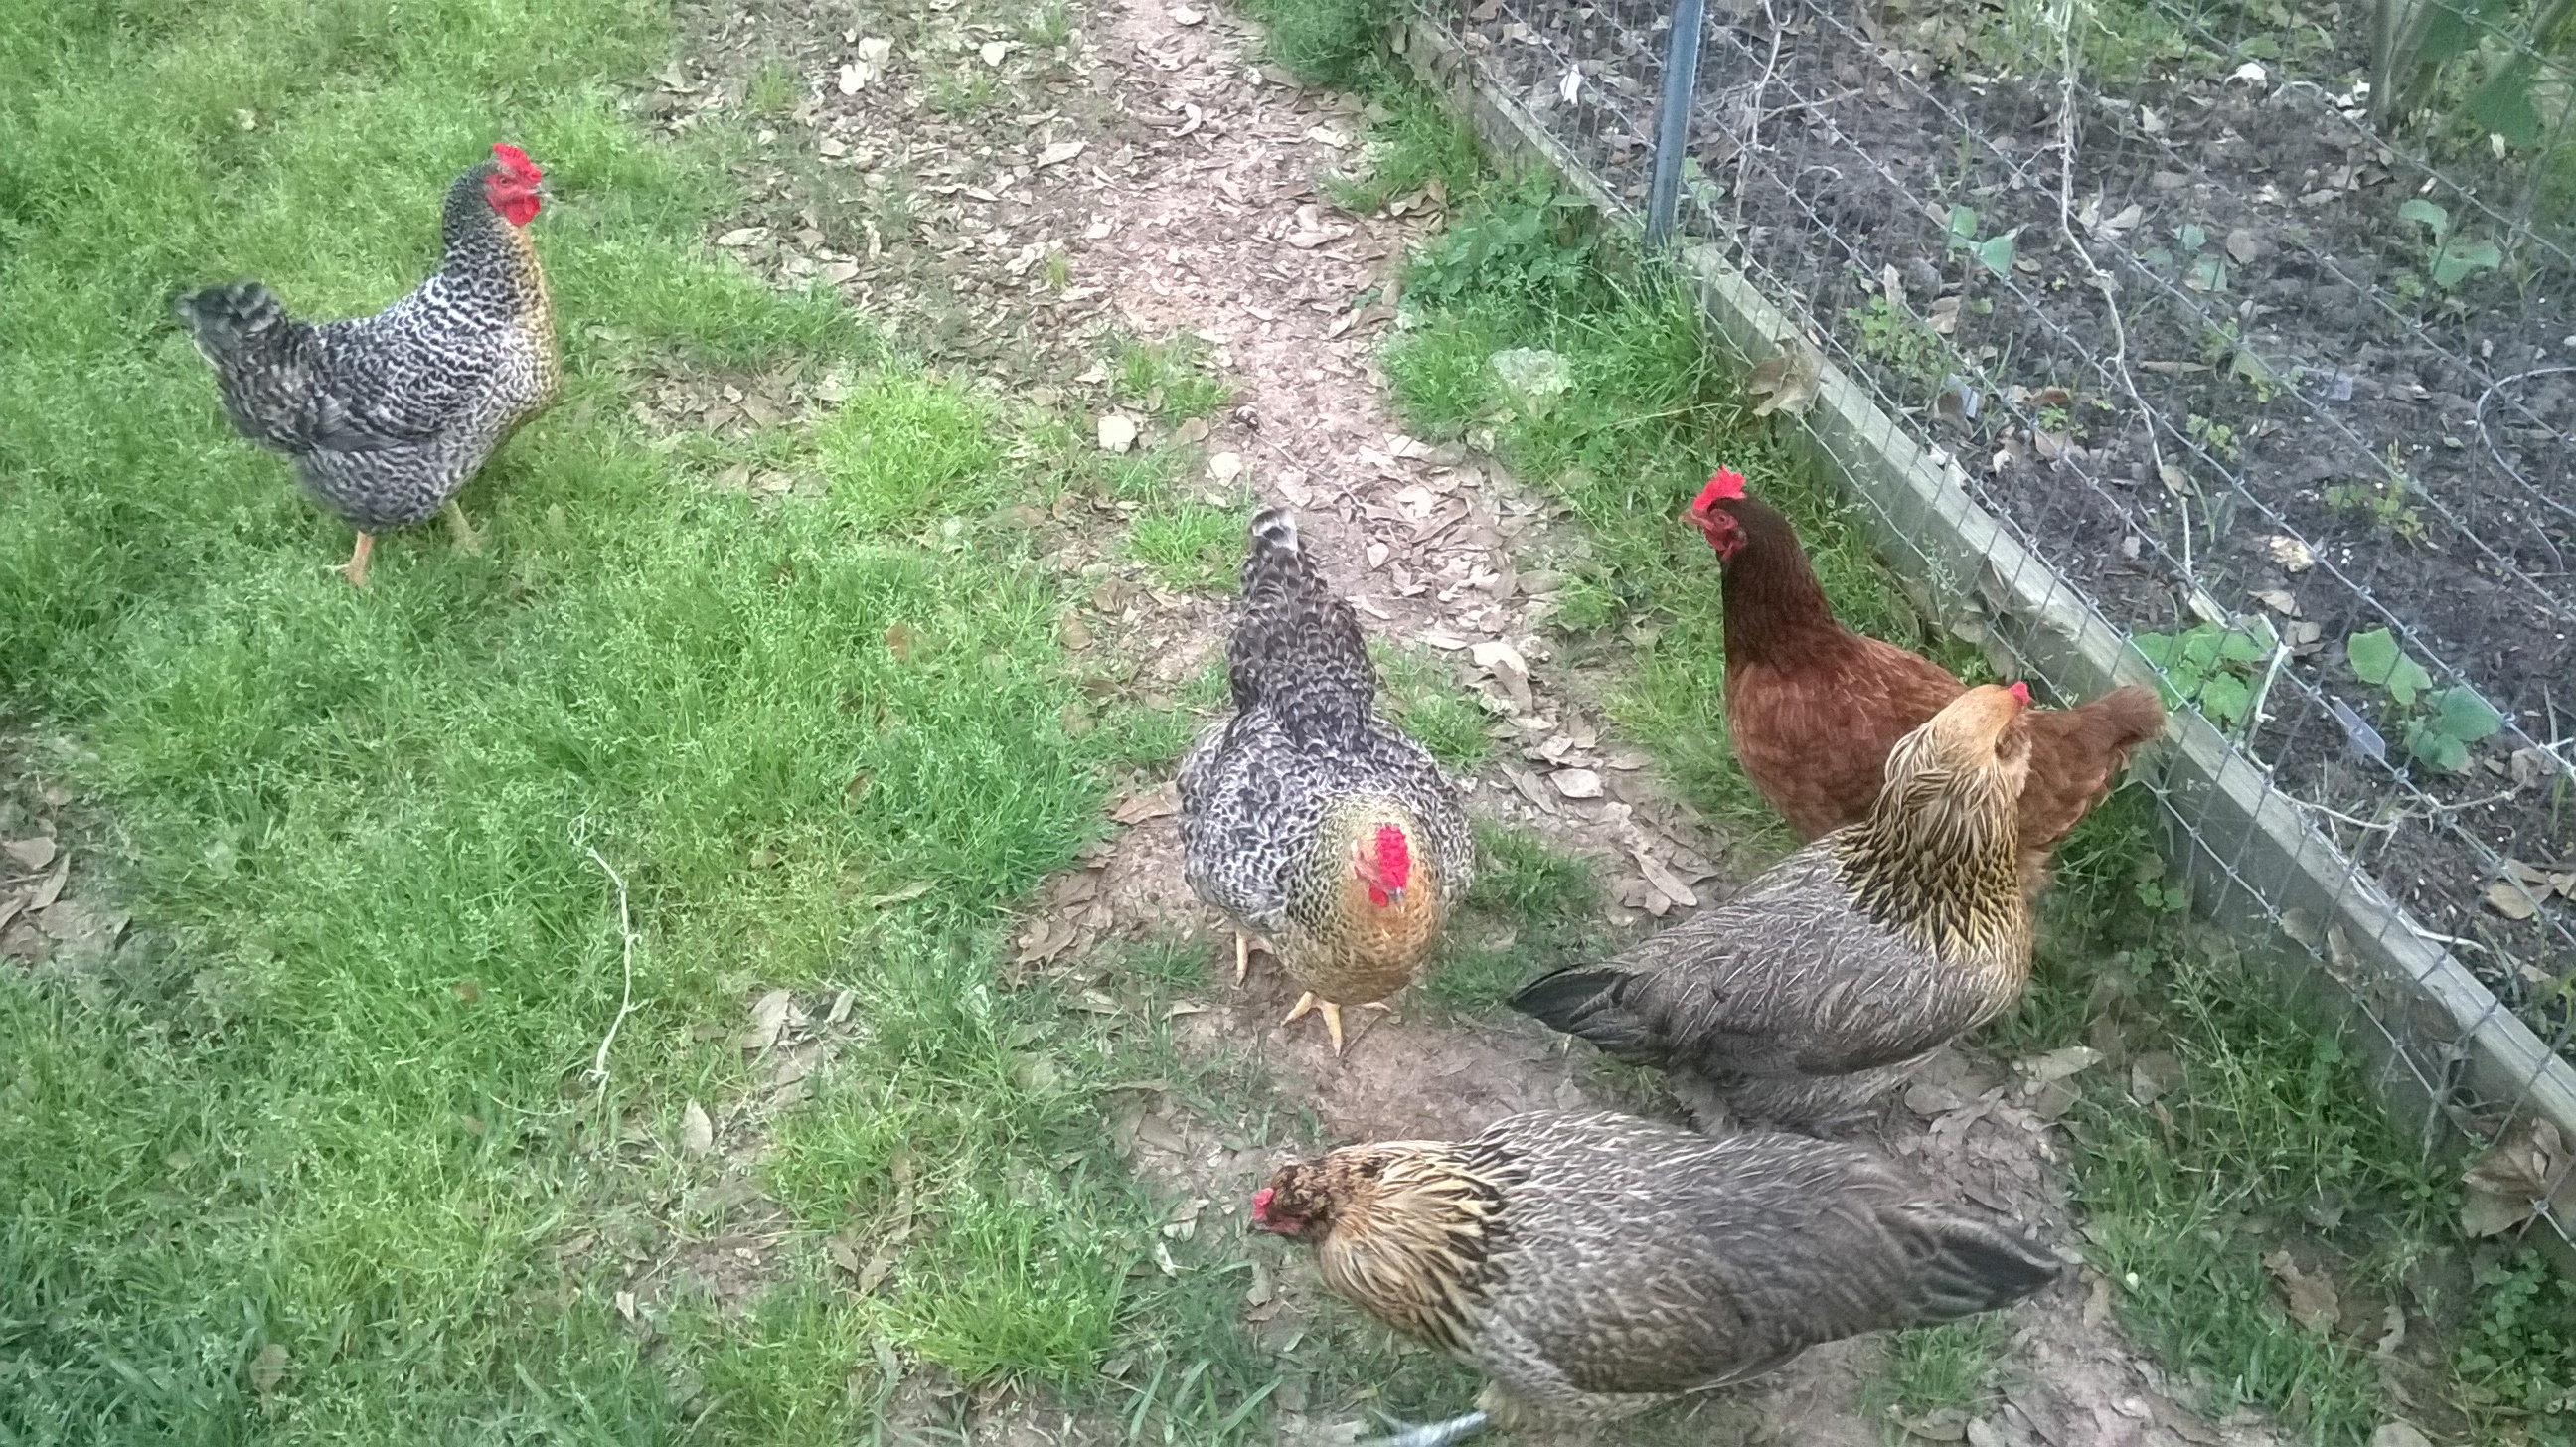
(1592, 1002)
(230, 320)
(260, 359)
(2131, 713)
(1298, 646)
(1967, 1266)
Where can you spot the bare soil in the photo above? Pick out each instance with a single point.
(1006, 208)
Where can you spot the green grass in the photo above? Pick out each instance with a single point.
(1166, 381)
(1190, 544)
(1532, 908)
(334, 1099)
(1422, 697)
(1943, 1368)
(1335, 43)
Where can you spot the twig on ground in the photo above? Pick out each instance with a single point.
(626, 934)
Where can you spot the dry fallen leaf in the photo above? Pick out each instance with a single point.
(268, 1369)
(1786, 383)
(1059, 152)
(2512, 899)
(2292, 554)
(771, 1014)
(1152, 803)
(1117, 433)
(30, 854)
(697, 1133)
(2527, 1164)
(1577, 783)
(2310, 1296)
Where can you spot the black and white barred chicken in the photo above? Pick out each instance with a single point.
(1306, 818)
(387, 417)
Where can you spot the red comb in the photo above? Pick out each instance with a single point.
(1261, 1204)
(1394, 857)
(2020, 692)
(1726, 486)
(517, 160)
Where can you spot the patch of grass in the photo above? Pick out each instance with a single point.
(1532, 908)
(1165, 379)
(1191, 545)
(1048, 25)
(903, 450)
(1643, 420)
(1422, 698)
(966, 89)
(1950, 1366)
(334, 1099)
(1419, 141)
(1338, 43)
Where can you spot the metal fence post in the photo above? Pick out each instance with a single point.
(1672, 129)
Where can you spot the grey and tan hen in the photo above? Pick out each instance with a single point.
(1594, 1265)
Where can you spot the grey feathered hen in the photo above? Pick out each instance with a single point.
(1837, 970)
(1594, 1265)
(1307, 818)
(387, 417)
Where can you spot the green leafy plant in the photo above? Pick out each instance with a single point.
(2450, 719)
(2521, 1348)
(1995, 251)
(2218, 437)
(1891, 335)
(2384, 500)
(1525, 243)
(2202, 268)
(2453, 260)
(2211, 666)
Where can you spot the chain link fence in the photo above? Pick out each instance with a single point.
(2144, 346)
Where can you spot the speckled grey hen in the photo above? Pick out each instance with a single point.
(387, 417)
(1837, 970)
(1307, 818)
(1594, 1265)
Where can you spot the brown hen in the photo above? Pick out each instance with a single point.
(1813, 707)
(1822, 984)
(1594, 1265)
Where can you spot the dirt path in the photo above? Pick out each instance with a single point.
(1001, 200)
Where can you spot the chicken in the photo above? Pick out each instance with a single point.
(1308, 819)
(1833, 973)
(387, 417)
(1813, 707)
(1594, 1265)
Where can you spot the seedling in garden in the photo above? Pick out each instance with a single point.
(2453, 260)
(2449, 720)
(2211, 667)
(1995, 251)
(2385, 501)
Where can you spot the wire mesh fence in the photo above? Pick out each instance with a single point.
(2263, 396)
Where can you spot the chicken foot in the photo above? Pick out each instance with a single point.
(1431, 1434)
(1331, 1012)
(355, 570)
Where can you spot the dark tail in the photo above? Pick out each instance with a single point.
(228, 322)
(1966, 1266)
(1591, 1002)
(1276, 551)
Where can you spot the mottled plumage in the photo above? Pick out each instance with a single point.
(1306, 817)
(1815, 989)
(387, 417)
(1594, 1265)
(1812, 708)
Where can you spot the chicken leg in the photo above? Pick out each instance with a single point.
(355, 570)
(1432, 1434)
(467, 540)
(1242, 957)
